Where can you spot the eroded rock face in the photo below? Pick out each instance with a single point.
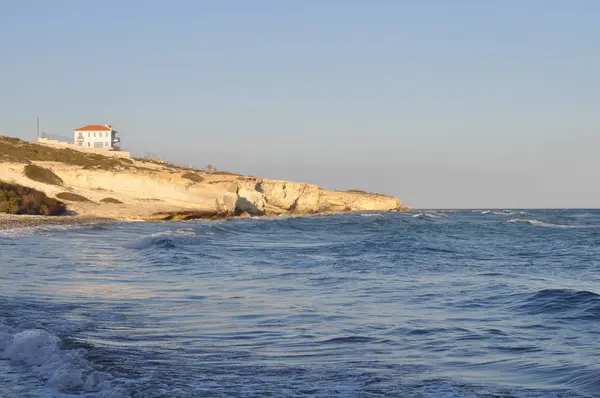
(360, 201)
(162, 194)
(272, 197)
(250, 201)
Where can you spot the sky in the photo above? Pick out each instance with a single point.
(445, 104)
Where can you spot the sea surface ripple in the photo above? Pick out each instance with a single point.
(477, 303)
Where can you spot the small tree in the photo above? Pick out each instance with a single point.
(210, 168)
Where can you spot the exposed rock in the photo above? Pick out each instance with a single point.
(185, 215)
(158, 194)
(252, 202)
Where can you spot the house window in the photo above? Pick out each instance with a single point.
(94, 134)
(106, 144)
(88, 134)
(89, 144)
(106, 134)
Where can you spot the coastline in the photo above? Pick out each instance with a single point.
(11, 221)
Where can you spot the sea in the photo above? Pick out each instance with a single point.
(430, 303)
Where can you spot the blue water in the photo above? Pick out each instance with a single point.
(424, 304)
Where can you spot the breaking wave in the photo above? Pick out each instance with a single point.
(28, 342)
(538, 223)
(170, 239)
(63, 369)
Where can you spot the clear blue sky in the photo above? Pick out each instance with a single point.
(442, 103)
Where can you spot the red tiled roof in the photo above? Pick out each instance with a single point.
(95, 127)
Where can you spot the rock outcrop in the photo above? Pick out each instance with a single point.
(160, 192)
(257, 196)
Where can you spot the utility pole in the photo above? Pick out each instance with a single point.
(37, 129)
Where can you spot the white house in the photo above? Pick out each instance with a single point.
(96, 136)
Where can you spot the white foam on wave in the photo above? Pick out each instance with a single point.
(538, 223)
(175, 232)
(62, 369)
(429, 215)
(504, 212)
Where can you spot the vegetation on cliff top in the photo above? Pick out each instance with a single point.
(111, 200)
(361, 192)
(73, 197)
(40, 174)
(193, 177)
(15, 150)
(17, 199)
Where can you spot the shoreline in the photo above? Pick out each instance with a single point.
(12, 221)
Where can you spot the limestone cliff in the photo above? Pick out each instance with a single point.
(151, 191)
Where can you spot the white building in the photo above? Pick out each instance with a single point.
(96, 136)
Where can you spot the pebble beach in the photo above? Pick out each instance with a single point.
(8, 221)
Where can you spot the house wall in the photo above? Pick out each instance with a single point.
(93, 139)
(61, 145)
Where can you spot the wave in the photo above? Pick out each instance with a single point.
(429, 215)
(579, 304)
(505, 212)
(37, 352)
(65, 370)
(538, 223)
(169, 239)
(371, 215)
(348, 340)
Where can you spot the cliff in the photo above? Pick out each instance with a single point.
(141, 190)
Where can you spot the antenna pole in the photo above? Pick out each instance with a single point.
(37, 129)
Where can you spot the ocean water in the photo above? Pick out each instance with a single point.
(424, 304)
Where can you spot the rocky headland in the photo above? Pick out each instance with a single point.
(136, 189)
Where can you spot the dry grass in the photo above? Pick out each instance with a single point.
(40, 174)
(17, 199)
(175, 166)
(72, 197)
(365, 192)
(15, 150)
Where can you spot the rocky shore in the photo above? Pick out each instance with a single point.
(9, 221)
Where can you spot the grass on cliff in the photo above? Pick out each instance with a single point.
(193, 177)
(360, 191)
(17, 199)
(72, 197)
(15, 150)
(40, 174)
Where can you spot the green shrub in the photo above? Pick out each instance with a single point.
(193, 177)
(111, 200)
(73, 197)
(17, 199)
(40, 174)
